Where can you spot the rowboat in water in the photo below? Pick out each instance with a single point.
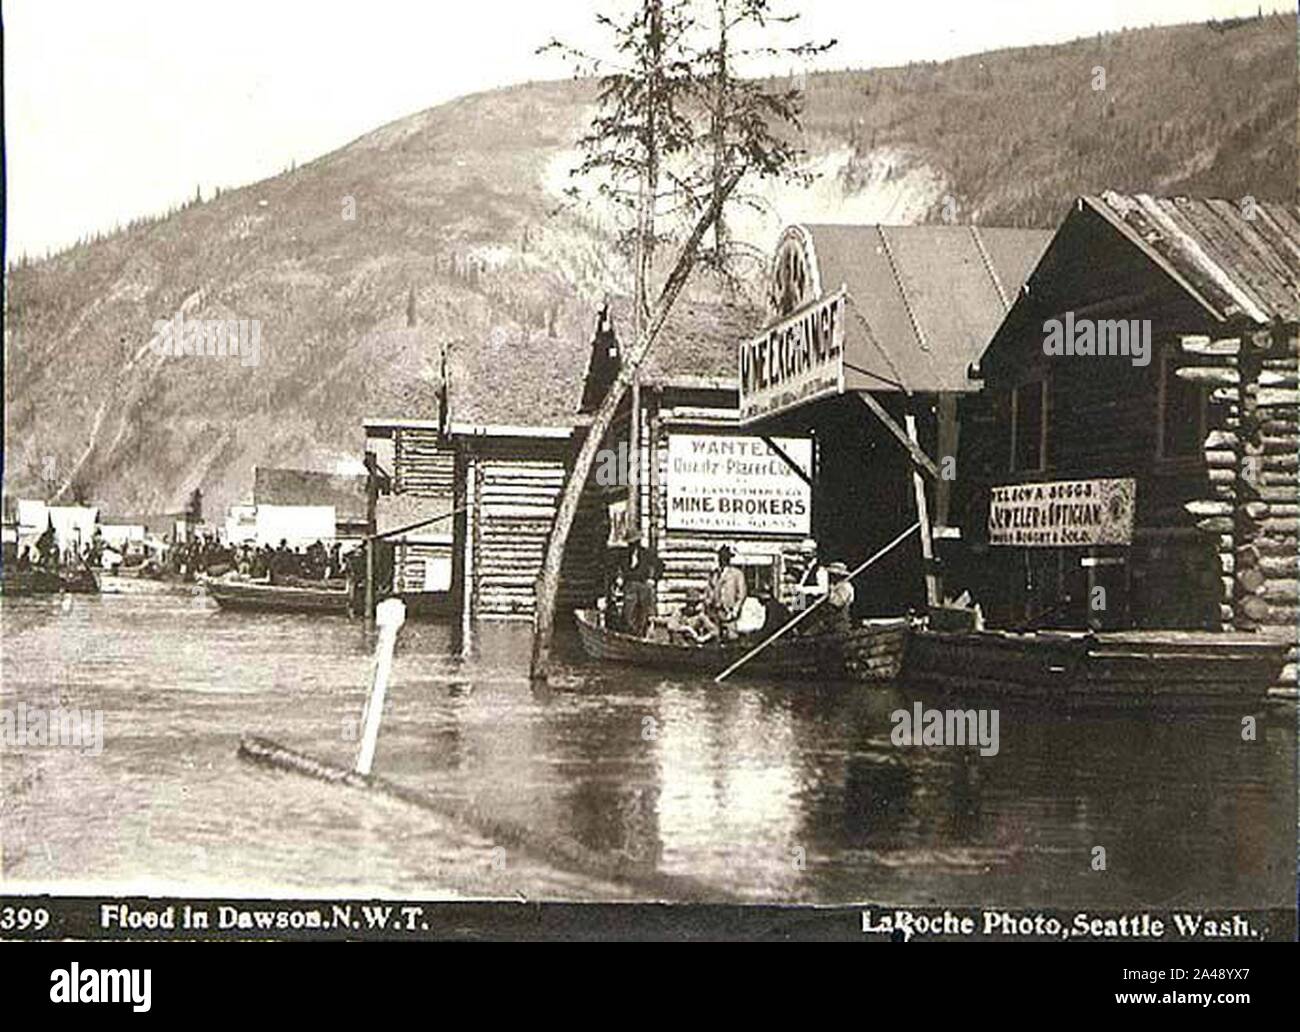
(1160, 668)
(281, 598)
(870, 651)
(48, 582)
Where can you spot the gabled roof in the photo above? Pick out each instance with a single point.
(345, 491)
(1237, 259)
(539, 383)
(698, 341)
(925, 300)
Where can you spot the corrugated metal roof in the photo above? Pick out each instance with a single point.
(1237, 260)
(926, 300)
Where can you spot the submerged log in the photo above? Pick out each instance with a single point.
(557, 849)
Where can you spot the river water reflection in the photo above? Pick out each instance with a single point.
(761, 791)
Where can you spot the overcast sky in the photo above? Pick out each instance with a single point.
(118, 109)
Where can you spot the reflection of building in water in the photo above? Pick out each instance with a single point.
(729, 796)
(503, 751)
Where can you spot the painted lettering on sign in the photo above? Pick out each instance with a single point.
(1062, 513)
(794, 361)
(737, 485)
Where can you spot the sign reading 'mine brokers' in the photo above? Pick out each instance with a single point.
(1063, 513)
(794, 361)
(738, 485)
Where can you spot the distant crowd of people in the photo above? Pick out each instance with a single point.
(203, 554)
(317, 561)
(45, 554)
(725, 610)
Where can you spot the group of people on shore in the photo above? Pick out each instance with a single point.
(725, 610)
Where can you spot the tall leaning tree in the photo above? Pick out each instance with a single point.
(678, 128)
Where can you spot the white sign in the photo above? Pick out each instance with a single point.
(617, 524)
(794, 361)
(1063, 513)
(737, 485)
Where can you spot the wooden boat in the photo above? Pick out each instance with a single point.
(281, 598)
(118, 583)
(1163, 668)
(48, 582)
(871, 651)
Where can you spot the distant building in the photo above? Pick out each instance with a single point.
(241, 525)
(302, 506)
(122, 536)
(74, 525)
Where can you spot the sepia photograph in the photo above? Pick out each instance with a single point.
(827, 470)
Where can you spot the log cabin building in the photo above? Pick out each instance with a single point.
(1200, 414)
(420, 466)
(870, 337)
(674, 469)
(508, 425)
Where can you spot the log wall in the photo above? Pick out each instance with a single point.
(424, 466)
(513, 490)
(1252, 509)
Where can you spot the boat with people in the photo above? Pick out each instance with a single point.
(870, 650)
(42, 581)
(298, 597)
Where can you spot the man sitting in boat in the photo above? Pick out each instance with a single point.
(835, 613)
(726, 593)
(689, 622)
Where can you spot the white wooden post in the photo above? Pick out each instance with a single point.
(390, 614)
(923, 517)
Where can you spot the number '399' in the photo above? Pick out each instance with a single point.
(23, 919)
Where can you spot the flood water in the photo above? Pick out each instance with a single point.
(760, 791)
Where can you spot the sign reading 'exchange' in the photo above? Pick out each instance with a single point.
(794, 361)
(1062, 513)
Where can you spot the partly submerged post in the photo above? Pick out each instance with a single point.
(389, 615)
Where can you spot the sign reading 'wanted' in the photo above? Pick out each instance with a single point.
(1063, 513)
(738, 484)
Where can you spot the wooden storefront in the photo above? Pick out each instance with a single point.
(870, 335)
(1200, 413)
(684, 476)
